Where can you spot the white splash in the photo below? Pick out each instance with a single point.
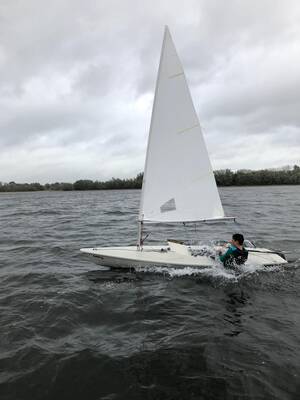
(216, 272)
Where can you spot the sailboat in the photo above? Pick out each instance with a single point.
(178, 183)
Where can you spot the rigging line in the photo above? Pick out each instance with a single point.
(249, 237)
(241, 229)
(143, 239)
(186, 233)
(146, 237)
(198, 233)
(238, 224)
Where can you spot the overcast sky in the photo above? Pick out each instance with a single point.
(77, 80)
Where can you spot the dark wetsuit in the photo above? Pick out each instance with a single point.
(234, 256)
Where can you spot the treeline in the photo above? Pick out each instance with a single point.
(225, 177)
(288, 176)
(83, 184)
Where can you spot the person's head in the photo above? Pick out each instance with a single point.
(238, 238)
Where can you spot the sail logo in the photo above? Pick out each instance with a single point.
(169, 205)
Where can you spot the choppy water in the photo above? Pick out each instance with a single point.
(71, 330)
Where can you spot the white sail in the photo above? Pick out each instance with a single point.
(178, 184)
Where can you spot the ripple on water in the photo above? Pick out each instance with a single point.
(71, 329)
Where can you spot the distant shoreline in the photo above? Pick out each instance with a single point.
(105, 190)
(223, 178)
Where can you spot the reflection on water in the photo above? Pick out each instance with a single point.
(234, 311)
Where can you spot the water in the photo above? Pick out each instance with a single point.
(72, 330)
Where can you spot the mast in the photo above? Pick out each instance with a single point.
(140, 235)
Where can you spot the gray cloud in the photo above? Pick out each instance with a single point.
(77, 81)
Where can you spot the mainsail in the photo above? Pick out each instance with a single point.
(178, 184)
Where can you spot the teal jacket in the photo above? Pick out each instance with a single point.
(234, 256)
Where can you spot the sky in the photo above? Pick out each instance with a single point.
(77, 80)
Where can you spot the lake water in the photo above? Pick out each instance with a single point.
(73, 330)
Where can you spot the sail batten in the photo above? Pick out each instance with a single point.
(175, 75)
(188, 129)
(176, 153)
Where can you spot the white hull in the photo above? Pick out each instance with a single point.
(130, 257)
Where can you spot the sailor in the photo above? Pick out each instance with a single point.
(236, 254)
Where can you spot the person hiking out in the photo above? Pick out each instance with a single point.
(236, 254)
